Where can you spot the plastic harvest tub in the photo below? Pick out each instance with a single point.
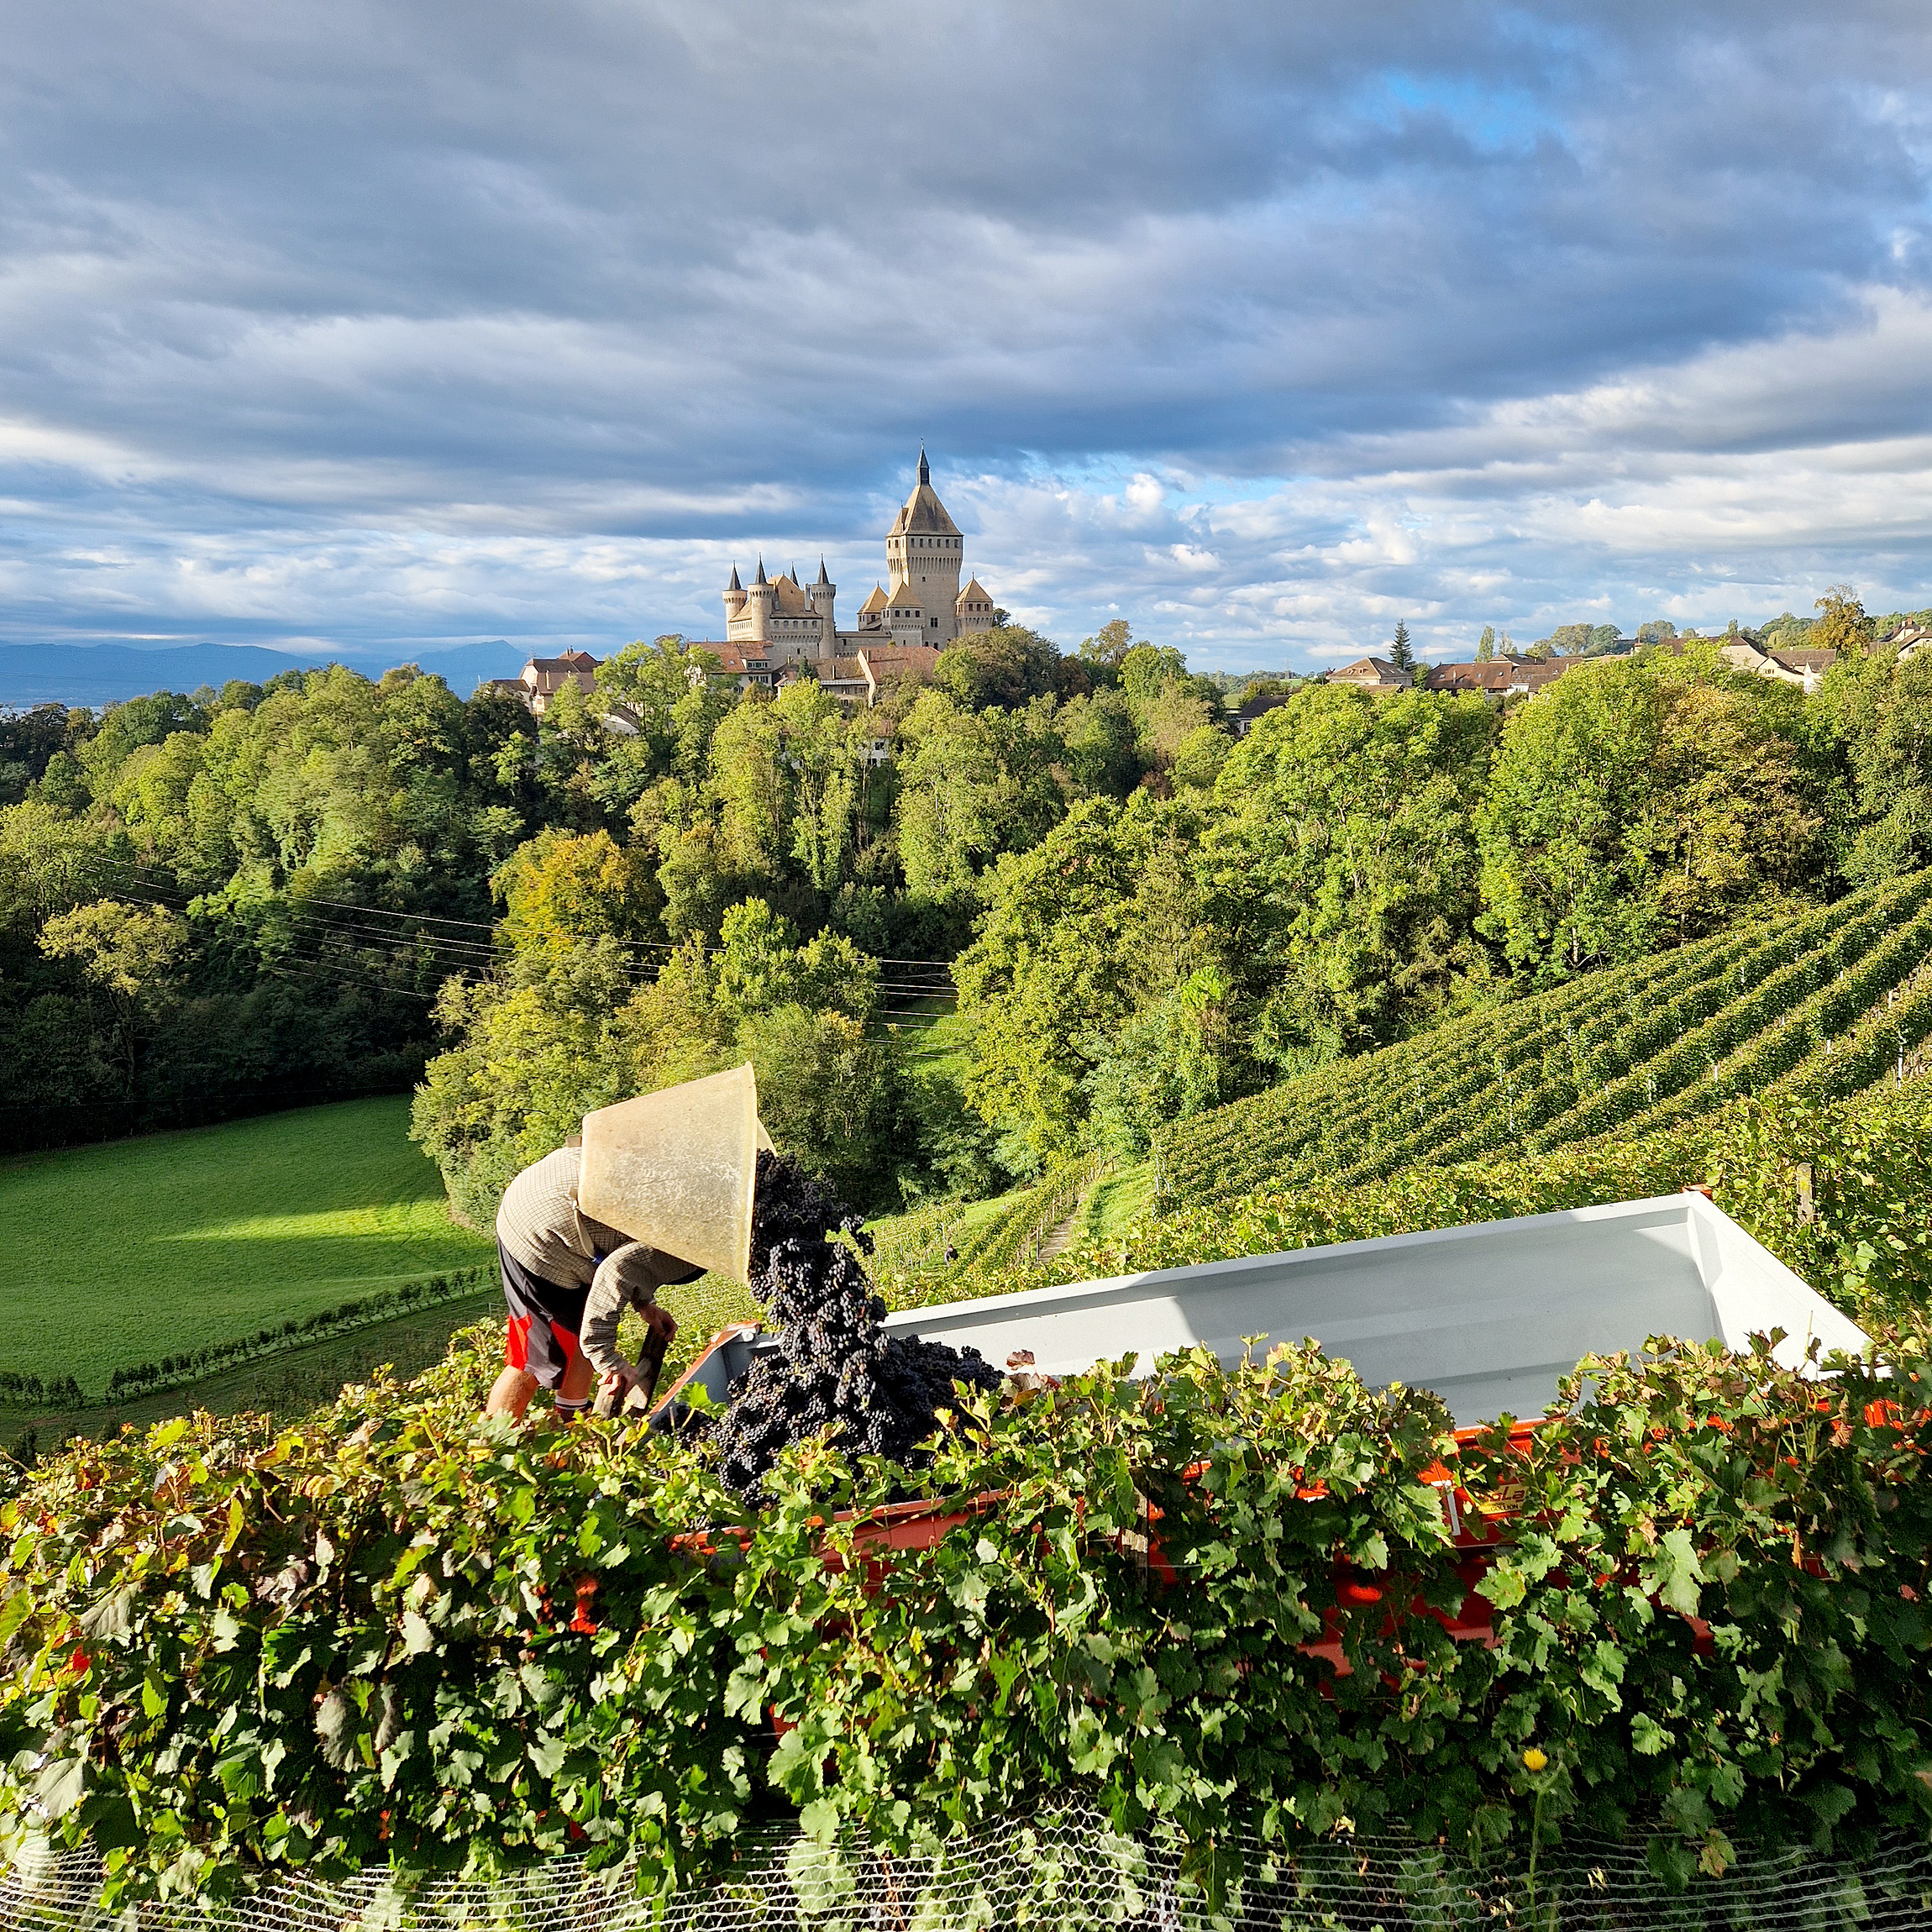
(1488, 1316)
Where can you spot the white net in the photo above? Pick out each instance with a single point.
(1069, 1871)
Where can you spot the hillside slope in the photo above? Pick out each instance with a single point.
(1823, 1003)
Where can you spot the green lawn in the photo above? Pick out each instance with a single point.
(142, 1248)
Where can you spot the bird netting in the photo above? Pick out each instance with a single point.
(1069, 1871)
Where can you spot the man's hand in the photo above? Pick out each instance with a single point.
(658, 1320)
(614, 1386)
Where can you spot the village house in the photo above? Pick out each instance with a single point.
(1794, 667)
(1372, 674)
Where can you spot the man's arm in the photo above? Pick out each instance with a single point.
(625, 1279)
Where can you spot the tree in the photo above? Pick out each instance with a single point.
(1638, 803)
(1485, 645)
(1842, 624)
(1880, 717)
(563, 887)
(1006, 666)
(1399, 653)
(1342, 863)
(1042, 986)
(131, 953)
(1108, 646)
(972, 785)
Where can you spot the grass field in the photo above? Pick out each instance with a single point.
(142, 1248)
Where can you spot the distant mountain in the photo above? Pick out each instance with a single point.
(106, 674)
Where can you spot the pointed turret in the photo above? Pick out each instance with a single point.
(761, 578)
(822, 578)
(734, 603)
(925, 471)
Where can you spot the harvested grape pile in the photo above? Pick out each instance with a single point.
(834, 1363)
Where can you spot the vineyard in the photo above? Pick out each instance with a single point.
(1821, 1003)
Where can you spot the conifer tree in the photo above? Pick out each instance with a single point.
(1399, 653)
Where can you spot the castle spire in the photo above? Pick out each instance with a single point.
(761, 578)
(925, 470)
(822, 578)
(734, 585)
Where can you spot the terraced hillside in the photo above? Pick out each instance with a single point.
(1825, 1002)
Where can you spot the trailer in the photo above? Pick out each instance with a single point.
(1488, 1316)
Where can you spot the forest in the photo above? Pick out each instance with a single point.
(219, 902)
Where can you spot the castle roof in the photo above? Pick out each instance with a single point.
(923, 515)
(977, 591)
(822, 578)
(903, 598)
(791, 599)
(908, 658)
(734, 585)
(877, 600)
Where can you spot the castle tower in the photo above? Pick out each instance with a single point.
(734, 600)
(925, 553)
(824, 594)
(759, 599)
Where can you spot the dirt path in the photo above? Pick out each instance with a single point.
(1062, 1236)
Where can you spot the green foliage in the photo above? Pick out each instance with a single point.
(560, 888)
(400, 1636)
(1638, 803)
(215, 839)
(1006, 666)
(1818, 1004)
(1140, 964)
(564, 1029)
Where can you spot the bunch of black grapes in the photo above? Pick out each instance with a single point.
(833, 1362)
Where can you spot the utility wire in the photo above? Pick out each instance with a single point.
(330, 947)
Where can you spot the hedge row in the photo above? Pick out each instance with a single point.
(1827, 989)
(1656, 1038)
(20, 1391)
(365, 1312)
(445, 1644)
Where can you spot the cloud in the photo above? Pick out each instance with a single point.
(405, 324)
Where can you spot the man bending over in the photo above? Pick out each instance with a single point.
(549, 1249)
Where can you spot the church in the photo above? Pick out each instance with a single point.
(921, 605)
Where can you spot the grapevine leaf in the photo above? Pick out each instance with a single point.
(1674, 1573)
(13, 1612)
(60, 1786)
(111, 1618)
(335, 1726)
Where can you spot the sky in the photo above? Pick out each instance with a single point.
(382, 328)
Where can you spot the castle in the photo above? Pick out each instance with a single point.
(921, 605)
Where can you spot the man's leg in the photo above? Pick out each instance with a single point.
(510, 1393)
(573, 1392)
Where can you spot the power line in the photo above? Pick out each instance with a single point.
(331, 946)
